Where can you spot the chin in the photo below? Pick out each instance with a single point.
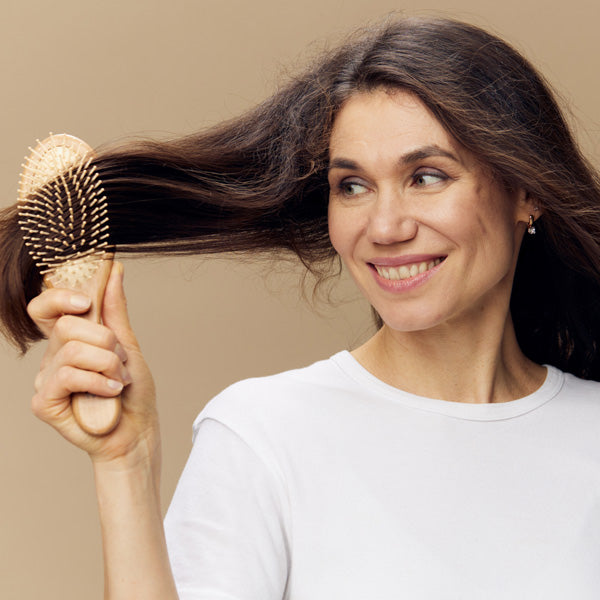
(410, 322)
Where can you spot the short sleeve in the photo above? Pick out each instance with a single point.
(226, 527)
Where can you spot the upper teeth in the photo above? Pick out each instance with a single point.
(406, 271)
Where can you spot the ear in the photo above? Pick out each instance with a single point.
(527, 206)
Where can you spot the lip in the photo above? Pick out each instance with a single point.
(410, 283)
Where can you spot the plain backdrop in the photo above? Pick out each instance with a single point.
(111, 69)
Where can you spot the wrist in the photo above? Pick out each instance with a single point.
(138, 463)
(120, 485)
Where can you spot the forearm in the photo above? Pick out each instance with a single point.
(135, 554)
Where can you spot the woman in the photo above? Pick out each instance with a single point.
(438, 460)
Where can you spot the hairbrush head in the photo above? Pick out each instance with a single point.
(62, 210)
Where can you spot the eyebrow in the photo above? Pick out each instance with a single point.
(405, 159)
(426, 152)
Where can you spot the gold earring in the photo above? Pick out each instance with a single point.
(530, 226)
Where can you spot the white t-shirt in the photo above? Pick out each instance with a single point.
(325, 483)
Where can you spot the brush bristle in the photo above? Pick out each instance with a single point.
(62, 210)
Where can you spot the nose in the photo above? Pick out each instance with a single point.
(390, 220)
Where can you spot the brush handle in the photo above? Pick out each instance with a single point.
(97, 415)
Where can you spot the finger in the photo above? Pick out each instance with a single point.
(68, 380)
(114, 308)
(91, 358)
(53, 404)
(82, 357)
(51, 304)
(70, 327)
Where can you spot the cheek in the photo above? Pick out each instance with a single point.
(339, 232)
(491, 243)
(485, 220)
(497, 226)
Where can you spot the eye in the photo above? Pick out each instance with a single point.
(351, 188)
(427, 178)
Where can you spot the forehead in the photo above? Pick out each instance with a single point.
(384, 120)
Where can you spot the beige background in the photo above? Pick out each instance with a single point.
(104, 70)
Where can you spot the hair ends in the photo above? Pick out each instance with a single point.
(20, 281)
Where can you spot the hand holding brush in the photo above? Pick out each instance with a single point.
(63, 217)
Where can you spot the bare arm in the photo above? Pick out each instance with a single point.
(135, 554)
(104, 359)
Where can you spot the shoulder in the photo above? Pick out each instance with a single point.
(283, 397)
(321, 374)
(576, 389)
(576, 403)
(572, 418)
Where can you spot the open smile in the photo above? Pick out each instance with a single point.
(408, 270)
(406, 273)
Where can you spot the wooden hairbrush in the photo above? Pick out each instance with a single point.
(63, 217)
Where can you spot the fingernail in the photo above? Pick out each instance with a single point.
(120, 352)
(126, 376)
(80, 301)
(115, 385)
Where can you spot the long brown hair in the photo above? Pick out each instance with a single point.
(258, 182)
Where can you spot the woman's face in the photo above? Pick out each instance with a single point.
(426, 232)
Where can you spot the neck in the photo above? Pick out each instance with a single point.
(453, 362)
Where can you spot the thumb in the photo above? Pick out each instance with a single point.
(114, 307)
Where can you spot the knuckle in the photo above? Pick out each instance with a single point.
(44, 305)
(62, 327)
(63, 375)
(108, 339)
(32, 308)
(38, 382)
(37, 405)
(36, 303)
(71, 351)
(113, 363)
(67, 327)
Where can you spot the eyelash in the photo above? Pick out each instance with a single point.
(345, 184)
(437, 174)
